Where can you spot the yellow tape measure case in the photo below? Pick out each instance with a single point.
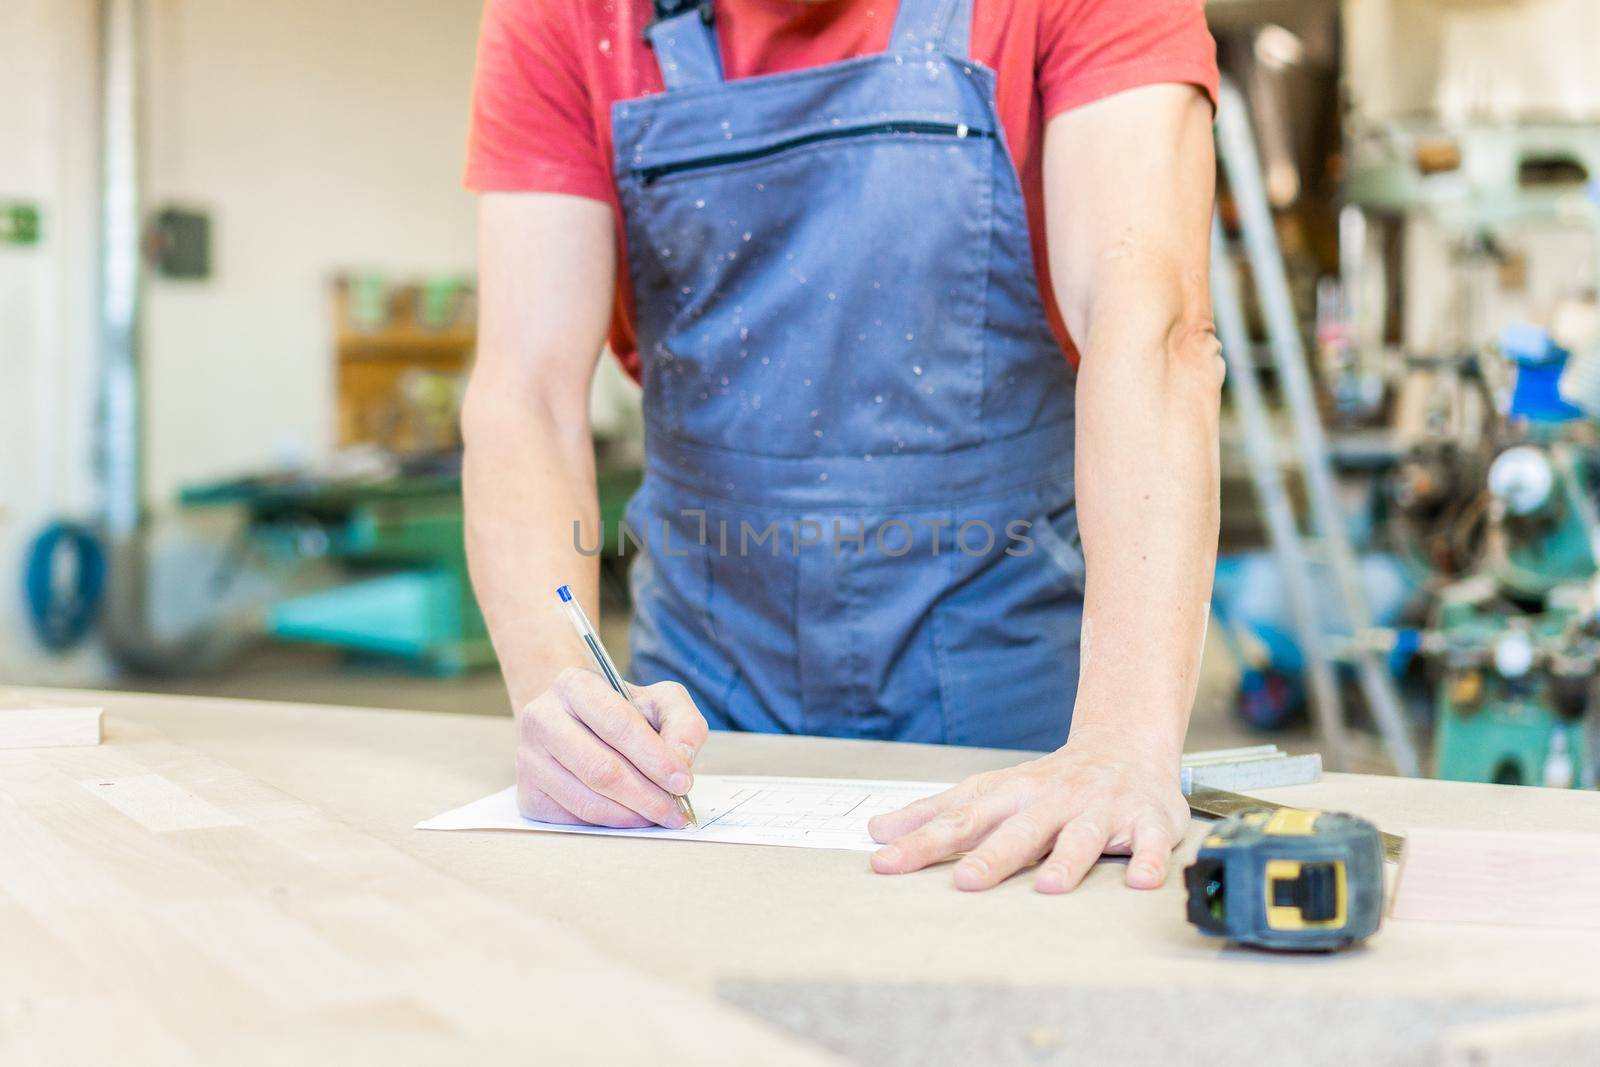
(1288, 879)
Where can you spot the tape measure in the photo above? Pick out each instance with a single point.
(1288, 879)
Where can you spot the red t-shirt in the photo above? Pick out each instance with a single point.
(549, 71)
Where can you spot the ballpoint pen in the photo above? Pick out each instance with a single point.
(591, 638)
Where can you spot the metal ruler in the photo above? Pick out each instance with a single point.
(1219, 803)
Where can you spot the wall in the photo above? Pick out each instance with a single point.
(1473, 59)
(320, 134)
(47, 139)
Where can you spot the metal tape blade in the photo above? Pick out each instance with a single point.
(1219, 804)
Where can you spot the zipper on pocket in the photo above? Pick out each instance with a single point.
(929, 129)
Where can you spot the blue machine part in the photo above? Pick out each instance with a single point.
(1540, 364)
(1250, 603)
(64, 577)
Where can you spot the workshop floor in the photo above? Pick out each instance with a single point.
(321, 676)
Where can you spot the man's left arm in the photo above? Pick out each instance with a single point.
(1128, 183)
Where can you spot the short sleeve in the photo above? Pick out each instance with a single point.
(532, 127)
(1089, 49)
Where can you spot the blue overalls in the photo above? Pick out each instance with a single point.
(858, 501)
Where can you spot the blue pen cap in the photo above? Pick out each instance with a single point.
(564, 593)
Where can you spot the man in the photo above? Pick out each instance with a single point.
(854, 248)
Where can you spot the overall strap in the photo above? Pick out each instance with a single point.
(933, 26)
(685, 44)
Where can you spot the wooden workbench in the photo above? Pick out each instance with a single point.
(232, 881)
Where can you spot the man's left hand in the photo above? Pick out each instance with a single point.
(1096, 795)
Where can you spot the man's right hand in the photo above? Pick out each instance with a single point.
(584, 755)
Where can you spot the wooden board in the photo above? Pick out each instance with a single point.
(1511, 878)
(159, 906)
(42, 722)
(703, 920)
(777, 915)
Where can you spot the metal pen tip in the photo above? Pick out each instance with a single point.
(688, 811)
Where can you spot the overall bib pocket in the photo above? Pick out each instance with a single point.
(772, 333)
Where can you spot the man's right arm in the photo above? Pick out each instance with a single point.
(546, 273)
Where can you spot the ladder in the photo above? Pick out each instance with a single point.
(1236, 147)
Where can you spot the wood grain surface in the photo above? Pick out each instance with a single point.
(289, 906)
(159, 906)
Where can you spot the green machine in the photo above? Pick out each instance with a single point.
(1515, 703)
(398, 542)
(1518, 644)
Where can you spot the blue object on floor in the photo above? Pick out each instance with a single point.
(64, 577)
(1250, 602)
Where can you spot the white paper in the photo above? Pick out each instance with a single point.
(738, 809)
